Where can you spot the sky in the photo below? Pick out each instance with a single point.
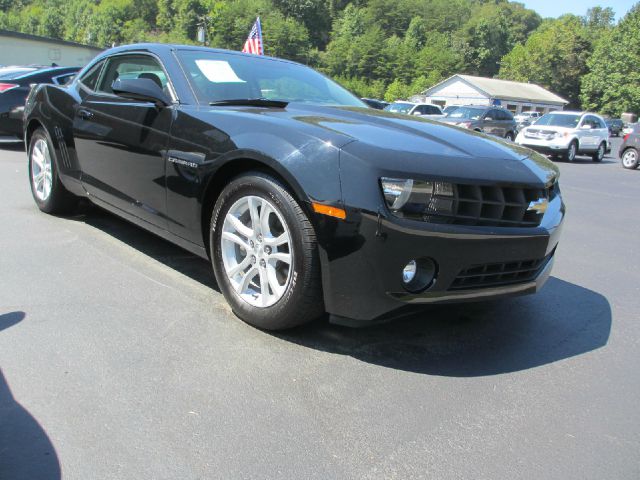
(555, 8)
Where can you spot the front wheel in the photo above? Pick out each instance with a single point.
(509, 137)
(630, 158)
(570, 156)
(264, 254)
(599, 154)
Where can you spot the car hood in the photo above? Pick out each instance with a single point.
(423, 141)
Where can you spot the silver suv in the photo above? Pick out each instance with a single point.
(568, 134)
(492, 120)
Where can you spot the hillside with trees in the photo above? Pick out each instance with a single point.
(378, 48)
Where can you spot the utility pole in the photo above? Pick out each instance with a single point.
(203, 28)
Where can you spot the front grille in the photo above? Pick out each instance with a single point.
(487, 206)
(497, 274)
(539, 133)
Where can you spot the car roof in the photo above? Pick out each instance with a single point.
(166, 48)
(17, 73)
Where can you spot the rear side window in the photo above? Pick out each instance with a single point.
(508, 115)
(431, 110)
(90, 78)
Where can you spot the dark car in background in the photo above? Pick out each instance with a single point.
(15, 83)
(492, 120)
(630, 148)
(304, 199)
(615, 126)
(375, 103)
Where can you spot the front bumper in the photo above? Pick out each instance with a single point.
(544, 146)
(366, 258)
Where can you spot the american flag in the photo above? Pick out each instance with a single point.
(254, 41)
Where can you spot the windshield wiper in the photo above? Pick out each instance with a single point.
(251, 102)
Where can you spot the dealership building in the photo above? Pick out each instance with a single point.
(469, 90)
(25, 49)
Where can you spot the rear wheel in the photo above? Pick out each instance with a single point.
(630, 158)
(570, 155)
(264, 254)
(48, 191)
(599, 154)
(509, 136)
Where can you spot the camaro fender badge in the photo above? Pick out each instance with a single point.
(539, 206)
(179, 161)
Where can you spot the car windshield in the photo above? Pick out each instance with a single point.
(467, 112)
(219, 76)
(559, 120)
(399, 107)
(10, 74)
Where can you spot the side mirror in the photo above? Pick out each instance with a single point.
(141, 89)
(585, 127)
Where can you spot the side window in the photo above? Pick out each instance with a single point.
(90, 78)
(600, 123)
(431, 110)
(592, 121)
(493, 114)
(508, 116)
(128, 67)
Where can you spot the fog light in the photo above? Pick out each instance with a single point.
(409, 271)
(419, 274)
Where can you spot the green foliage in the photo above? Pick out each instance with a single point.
(613, 84)
(554, 56)
(376, 48)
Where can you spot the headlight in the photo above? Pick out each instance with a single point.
(418, 199)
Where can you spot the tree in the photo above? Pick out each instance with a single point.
(612, 85)
(554, 56)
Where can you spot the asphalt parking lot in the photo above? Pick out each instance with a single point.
(119, 359)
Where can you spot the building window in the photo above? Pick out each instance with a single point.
(526, 108)
(440, 103)
(512, 108)
(540, 109)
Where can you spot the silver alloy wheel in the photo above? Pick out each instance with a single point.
(630, 158)
(256, 251)
(41, 175)
(601, 151)
(571, 155)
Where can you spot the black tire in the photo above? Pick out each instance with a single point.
(509, 136)
(600, 153)
(630, 158)
(59, 201)
(302, 300)
(570, 154)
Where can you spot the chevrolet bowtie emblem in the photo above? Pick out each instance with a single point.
(539, 206)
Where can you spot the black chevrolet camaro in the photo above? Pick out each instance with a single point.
(305, 200)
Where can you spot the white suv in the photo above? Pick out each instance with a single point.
(425, 110)
(527, 116)
(568, 134)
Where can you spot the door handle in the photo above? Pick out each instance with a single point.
(85, 114)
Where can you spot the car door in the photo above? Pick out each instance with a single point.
(602, 131)
(587, 131)
(121, 143)
(490, 122)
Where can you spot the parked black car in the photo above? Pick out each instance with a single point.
(15, 83)
(375, 103)
(492, 120)
(630, 148)
(615, 126)
(304, 199)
